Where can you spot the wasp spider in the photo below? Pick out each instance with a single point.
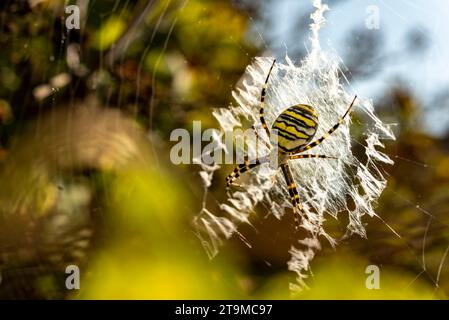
(294, 129)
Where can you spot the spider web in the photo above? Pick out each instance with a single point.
(420, 254)
(326, 187)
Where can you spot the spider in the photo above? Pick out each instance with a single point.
(294, 129)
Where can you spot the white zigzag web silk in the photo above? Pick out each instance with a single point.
(326, 186)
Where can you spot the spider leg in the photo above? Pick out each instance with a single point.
(242, 168)
(262, 100)
(294, 195)
(308, 156)
(258, 137)
(327, 134)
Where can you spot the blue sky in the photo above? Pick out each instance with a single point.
(425, 74)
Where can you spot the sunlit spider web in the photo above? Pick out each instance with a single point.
(326, 187)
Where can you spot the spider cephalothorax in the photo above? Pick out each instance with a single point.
(292, 133)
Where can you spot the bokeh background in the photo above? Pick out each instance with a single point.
(85, 173)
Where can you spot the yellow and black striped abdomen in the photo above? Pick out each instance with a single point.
(295, 127)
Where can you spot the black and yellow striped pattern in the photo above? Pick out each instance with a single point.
(295, 127)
